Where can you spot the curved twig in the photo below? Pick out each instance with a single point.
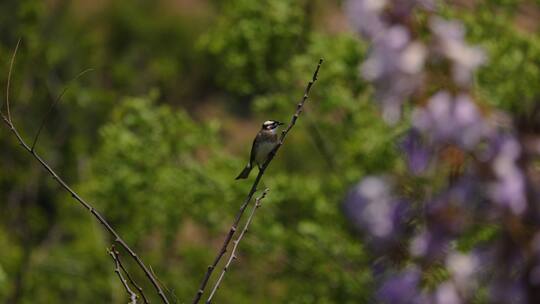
(9, 80)
(53, 105)
(86, 205)
(253, 189)
(235, 246)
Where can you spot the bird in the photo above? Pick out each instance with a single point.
(265, 141)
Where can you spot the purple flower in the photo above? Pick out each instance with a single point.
(373, 209)
(418, 154)
(402, 288)
(365, 16)
(451, 44)
(395, 62)
(446, 293)
(395, 66)
(509, 187)
(446, 119)
(429, 245)
(463, 269)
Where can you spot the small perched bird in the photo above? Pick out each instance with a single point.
(265, 141)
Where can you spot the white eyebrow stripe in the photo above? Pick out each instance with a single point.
(268, 123)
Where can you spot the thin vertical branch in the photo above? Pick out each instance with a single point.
(8, 85)
(233, 255)
(81, 201)
(253, 189)
(114, 255)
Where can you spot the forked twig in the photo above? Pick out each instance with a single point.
(53, 105)
(235, 246)
(90, 208)
(117, 266)
(253, 189)
(130, 278)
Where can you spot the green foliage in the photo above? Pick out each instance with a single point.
(252, 42)
(158, 178)
(143, 39)
(476, 237)
(150, 163)
(513, 53)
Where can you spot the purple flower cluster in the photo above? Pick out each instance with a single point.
(395, 64)
(454, 119)
(488, 185)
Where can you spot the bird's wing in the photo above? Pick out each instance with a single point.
(255, 143)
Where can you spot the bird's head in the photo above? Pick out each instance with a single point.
(271, 125)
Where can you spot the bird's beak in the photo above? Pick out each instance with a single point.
(280, 123)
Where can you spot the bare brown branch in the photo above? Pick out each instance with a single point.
(253, 189)
(117, 239)
(117, 266)
(233, 255)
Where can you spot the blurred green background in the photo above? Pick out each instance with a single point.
(156, 133)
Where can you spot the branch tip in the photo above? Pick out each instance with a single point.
(8, 85)
(117, 266)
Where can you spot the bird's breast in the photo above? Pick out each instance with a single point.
(263, 150)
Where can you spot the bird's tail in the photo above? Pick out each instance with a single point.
(245, 172)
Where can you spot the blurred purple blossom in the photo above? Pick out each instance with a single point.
(446, 119)
(509, 187)
(394, 65)
(464, 269)
(395, 62)
(446, 293)
(465, 59)
(401, 288)
(365, 16)
(417, 152)
(373, 209)
(429, 245)
(405, 8)
(451, 211)
(492, 184)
